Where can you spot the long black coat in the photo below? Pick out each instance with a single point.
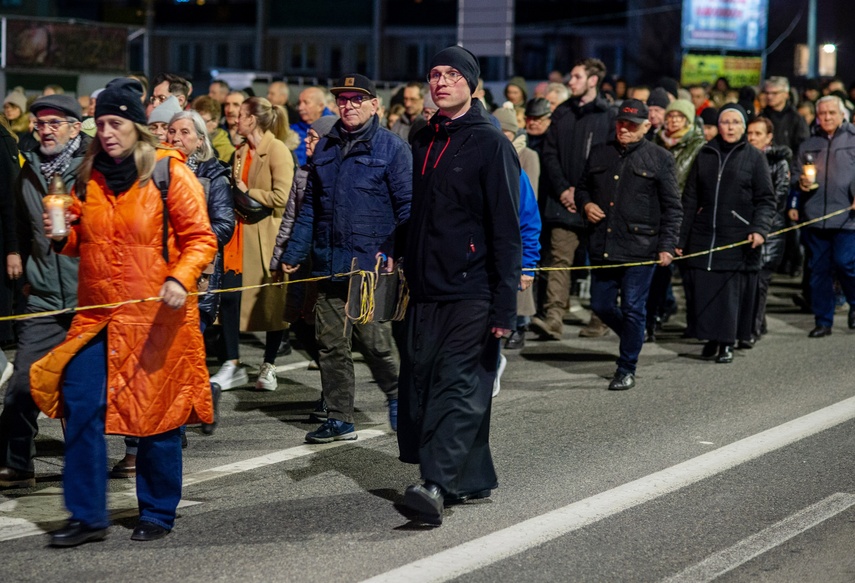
(779, 159)
(728, 195)
(636, 188)
(574, 131)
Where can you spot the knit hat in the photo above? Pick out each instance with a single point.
(507, 119)
(122, 97)
(537, 107)
(17, 99)
(670, 85)
(460, 59)
(64, 103)
(684, 107)
(709, 115)
(736, 107)
(658, 98)
(324, 124)
(429, 104)
(519, 82)
(96, 93)
(164, 112)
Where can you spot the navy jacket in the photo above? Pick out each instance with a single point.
(835, 172)
(464, 235)
(354, 203)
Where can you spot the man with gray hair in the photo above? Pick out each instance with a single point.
(823, 188)
(790, 127)
(556, 94)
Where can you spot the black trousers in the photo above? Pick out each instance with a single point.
(448, 366)
(18, 427)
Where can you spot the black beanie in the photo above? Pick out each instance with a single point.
(122, 97)
(462, 60)
(659, 98)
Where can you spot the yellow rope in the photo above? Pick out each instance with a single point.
(369, 281)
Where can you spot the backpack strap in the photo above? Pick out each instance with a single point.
(161, 177)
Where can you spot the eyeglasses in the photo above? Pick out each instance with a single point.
(450, 77)
(675, 116)
(158, 99)
(311, 139)
(354, 100)
(53, 124)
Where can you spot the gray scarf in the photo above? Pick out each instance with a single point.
(59, 163)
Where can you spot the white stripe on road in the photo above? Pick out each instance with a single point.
(20, 517)
(292, 366)
(724, 561)
(510, 541)
(755, 545)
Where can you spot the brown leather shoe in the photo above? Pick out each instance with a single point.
(127, 468)
(594, 329)
(12, 478)
(547, 328)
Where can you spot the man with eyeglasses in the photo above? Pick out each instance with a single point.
(463, 263)
(51, 278)
(167, 84)
(356, 203)
(790, 127)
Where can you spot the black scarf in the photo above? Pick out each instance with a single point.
(120, 177)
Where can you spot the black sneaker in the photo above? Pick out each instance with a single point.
(320, 413)
(622, 381)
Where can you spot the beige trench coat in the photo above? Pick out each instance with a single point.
(270, 176)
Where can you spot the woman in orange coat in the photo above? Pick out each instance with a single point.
(138, 369)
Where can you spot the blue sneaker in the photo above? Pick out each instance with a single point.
(332, 430)
(393, 413)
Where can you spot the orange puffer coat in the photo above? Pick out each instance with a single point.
(157, 377)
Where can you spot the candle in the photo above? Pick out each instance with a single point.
(55, 207)
(810, 172)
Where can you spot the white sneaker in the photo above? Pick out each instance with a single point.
(230, 376)
(7, 373)
(267, 380)
(497, 385)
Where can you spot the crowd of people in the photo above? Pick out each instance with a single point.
(166, 192)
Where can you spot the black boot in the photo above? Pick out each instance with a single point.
(725, 354)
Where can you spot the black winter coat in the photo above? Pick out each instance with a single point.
(779, 159)
(791, 129)
(464, 239)
(574, 131)
(221, 213)
(728, 196)
(636, 187)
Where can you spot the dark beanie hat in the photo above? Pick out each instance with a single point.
(736, 107)
(122, 97)
(670, 85)
(658, 98)
(462, 60)
(710, 116)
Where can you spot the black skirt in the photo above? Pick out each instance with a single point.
(724, 304)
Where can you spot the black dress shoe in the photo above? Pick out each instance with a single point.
(622, 381)
(819, 332)
(746, 344)
(710, 349)
(451, 500)
(516, 340)
(427, 501)
(725, 354)
(146, 531)
(12, 478)
(76, 533)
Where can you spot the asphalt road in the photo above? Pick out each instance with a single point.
(739, 472)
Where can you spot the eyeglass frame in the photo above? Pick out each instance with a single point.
(54, 124)
(342, 101)
(444, 76)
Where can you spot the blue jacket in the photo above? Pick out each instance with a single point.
(530, 224)
(302, 128)
(354, 204)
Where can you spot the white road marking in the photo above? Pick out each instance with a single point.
(755, 545)
(20, 517)
(502, 544)
(292, 366)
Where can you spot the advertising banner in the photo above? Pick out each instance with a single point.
(67, 46)
(739, 71)
(735, 25)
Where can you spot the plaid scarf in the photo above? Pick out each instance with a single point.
(192, 163)
(59, 163)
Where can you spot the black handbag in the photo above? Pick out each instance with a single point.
(248, 210)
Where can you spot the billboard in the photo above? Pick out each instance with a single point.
(734, 25)
(65, 46)
(739, 71)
